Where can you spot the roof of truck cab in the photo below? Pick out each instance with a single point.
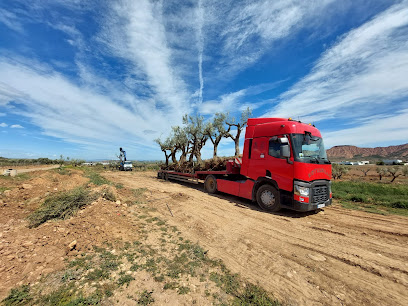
(267, 127)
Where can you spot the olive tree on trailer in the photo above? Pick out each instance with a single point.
(216, 130)
(196, 134)
(166, 146)
(239, 125)
(181, 142)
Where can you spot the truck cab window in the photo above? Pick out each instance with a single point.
(274, 147)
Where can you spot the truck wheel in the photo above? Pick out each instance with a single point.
(210, 184)
(268, 198)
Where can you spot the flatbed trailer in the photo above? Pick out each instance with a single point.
(284, 165)
(188, 177)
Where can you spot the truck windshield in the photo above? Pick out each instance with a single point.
(309, 149)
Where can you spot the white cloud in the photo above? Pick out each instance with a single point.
(363, 74)
(387, 130)
(247, 30)
(369, 64)
(234, 102)
(200, 47)
(16, 126)
(78, 114)
(10, 20)
(3, 124)
(135, 31)
(227, 103)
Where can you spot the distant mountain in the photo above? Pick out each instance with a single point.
(356, 153)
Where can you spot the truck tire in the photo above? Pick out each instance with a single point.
(210, 184)
(268, 198)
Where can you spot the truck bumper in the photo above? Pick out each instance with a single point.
(300, 206)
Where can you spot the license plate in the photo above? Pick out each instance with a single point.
(321, 205)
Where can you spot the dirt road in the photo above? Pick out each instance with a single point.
(24, 169)
(334, 257)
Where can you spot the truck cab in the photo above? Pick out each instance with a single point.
(287, 162)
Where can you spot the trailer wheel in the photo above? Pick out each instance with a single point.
(210, 184)
(268, 198)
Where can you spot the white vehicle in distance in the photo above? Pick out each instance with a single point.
(127, 166)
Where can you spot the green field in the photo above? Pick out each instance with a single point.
(372, 197)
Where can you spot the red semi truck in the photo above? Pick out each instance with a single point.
(284, 165)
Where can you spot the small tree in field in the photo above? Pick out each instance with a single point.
(239, 125)
(61, 160)
(381, 172)
(405, 170)
(338, 171)
(364, 170)
(394, 171)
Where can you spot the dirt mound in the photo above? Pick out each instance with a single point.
(27, 254)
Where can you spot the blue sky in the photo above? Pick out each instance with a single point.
(82, 78)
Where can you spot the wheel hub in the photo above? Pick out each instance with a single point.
(268, 198)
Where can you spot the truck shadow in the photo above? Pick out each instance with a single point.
(248, 204)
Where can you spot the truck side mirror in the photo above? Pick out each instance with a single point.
(284, 140)
(285, 151)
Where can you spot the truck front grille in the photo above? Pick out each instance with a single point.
(320, 194)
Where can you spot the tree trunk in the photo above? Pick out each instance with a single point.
(173, 156)
(216, 143)
(182, 157)
(198, 156)
(237, 142)
(167, 159)
(237, 147)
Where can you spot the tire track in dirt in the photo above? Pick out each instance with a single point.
(334, 257)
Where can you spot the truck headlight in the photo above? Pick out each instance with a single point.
(302, 191)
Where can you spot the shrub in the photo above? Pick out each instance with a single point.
(338, 171)
(61, 206)
(254, 295)
(109, 195)
(18, 296)
(145, 298)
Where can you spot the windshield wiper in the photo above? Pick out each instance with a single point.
(313, 159)
(325, 160)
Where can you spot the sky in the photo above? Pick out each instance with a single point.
(83, 78)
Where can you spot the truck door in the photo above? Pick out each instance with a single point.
(265, 161)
